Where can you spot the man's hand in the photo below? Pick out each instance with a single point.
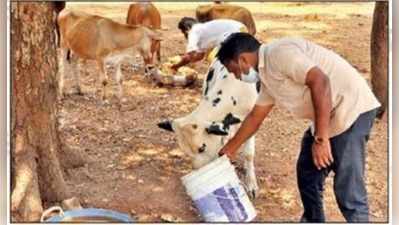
(229, 151)
(175, 67)
(248, 127)
(320, 89)
(187, 58)
(322, 156)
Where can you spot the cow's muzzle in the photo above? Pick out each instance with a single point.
(166, 125)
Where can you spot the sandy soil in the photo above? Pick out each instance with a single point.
(135, 168)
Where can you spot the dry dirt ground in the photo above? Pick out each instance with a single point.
(135, 168)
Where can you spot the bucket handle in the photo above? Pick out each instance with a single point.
(50, 210)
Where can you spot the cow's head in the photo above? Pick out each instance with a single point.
(201, 140)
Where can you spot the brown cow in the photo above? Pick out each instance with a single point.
(97, 38)
(146, 14)
(206, 13)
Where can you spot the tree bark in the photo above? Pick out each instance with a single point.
(37, 174)
(379, 54)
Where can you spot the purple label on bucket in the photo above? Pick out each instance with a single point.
(222, 205)
(210, 208)
(240, 208)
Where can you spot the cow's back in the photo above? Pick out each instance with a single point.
(211, 12)
(145, 14)
(223, 94)
(84, 37)
(66, 21)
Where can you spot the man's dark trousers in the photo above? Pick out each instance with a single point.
(348, 150)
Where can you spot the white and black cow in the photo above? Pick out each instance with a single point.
(225, 102)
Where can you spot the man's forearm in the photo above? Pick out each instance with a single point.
(189, 58)
(321, 97)
(186, 59)
(249, 126)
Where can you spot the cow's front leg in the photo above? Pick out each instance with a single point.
(250, 176)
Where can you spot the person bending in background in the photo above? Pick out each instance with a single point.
(204, 38)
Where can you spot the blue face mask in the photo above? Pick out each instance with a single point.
(251, 77)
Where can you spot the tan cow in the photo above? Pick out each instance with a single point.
(206, 13)
(146, 14)
(97, 38)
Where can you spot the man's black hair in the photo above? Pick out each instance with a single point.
(236, 44)
(186, 23)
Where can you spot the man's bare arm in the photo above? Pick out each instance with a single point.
(319, 85)
(189, 58)
(248, 128)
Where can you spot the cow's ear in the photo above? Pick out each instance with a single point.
(216, 130)
(166, 125)
(229, 119)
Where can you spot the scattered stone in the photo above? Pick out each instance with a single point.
(110, 166)
(169, 218)
(157, 189)
(71, 203)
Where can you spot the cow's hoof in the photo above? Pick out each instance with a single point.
(252, 194)
(252, 189)
(75, 90)
(78, 90)
(60, 96)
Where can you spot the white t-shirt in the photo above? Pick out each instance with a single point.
(283, 66)
(205, 36)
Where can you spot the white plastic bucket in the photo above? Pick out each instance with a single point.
(218, 194)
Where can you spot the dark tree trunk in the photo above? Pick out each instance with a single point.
(379, 54)
(37, 173)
